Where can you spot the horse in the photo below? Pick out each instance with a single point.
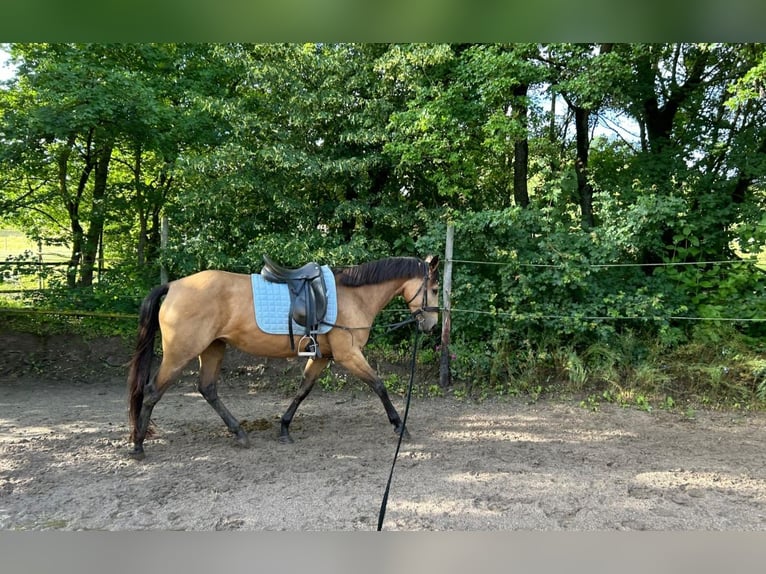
(203, 313)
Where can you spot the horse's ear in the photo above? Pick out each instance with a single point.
(433, 262)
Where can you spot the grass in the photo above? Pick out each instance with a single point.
(630, 371)
(14, 243)
(15, 246)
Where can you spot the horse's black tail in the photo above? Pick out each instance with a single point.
(141, 362)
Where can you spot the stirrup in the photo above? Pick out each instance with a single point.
(312, 348)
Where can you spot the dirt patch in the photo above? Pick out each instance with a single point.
(550, 465)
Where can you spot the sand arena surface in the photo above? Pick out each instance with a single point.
(551, 465)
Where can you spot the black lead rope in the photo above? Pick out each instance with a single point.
(382, 513)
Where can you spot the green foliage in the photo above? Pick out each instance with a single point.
(541, 278)
(348, 152)
(565, 314)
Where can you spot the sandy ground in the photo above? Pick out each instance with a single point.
(495, 465)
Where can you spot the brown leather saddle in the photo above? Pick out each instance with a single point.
(308, 300)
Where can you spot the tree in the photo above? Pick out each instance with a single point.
(344, 152)
(465, 129)
(695, 147)
(78, 109)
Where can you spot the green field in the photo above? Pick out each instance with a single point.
(13, 245)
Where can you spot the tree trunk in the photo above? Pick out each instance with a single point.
(72, 204)
(97, 216)
(155, 198)
(584, 188)
(521, 148)
(659, 120)
(142, 208)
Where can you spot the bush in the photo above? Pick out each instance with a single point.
(537, 305)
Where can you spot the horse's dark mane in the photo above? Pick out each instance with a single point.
(374, 272)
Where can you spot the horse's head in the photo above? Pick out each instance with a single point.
(422, 295)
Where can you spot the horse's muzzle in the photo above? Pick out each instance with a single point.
(427, 319)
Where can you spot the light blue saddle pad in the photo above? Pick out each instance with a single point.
(272, 305)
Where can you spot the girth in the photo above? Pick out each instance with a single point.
(308, 299)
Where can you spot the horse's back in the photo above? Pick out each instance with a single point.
(210, 305)
(208, 299)
(211, 279)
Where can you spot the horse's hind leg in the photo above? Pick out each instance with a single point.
(155, 388)
(209, 370)
(310, 375)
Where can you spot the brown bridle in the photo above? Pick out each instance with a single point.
(424, 308)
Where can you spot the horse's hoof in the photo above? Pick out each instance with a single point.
(242, 441)
(403, 432)
(136, 453)
(286, 439)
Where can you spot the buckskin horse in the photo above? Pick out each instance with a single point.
(204, 312)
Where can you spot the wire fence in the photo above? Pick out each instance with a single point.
(454, 310)
(607, 265)
(538, 316)
(608, 317)
(33, 276)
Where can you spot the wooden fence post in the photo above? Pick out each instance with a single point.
(444, 370)
(163, 247)
(40, 264)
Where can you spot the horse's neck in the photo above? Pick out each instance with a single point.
(377, 296)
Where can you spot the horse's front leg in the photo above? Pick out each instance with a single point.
(359, 366)
(393, 416)
(310, 374)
